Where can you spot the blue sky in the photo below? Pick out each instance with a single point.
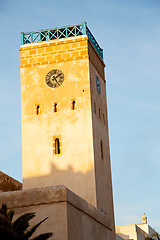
(129, 33)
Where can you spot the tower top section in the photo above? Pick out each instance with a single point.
(59, 33)
(144, 219)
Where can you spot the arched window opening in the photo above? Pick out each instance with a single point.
(94, 107)
(38, 110)
(99, 113)
(55, 107)
(73, 105)
(57, 146)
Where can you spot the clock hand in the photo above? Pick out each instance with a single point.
(58, 75)
(54, 78)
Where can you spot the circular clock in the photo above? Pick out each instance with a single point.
(54, 78)
(98, 85)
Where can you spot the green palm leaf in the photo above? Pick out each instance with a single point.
(33, 229)
(11, 214)
(7, 233)
(22, 223)
(44, 236)
(4, 209)
(152, 237)
(156, 235)
(6, 230)
(18, 229)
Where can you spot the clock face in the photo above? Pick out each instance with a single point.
(54, 78)
(98, 85)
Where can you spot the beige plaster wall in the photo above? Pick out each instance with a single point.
(118, 237)
(70, 217)
(100, 132)
(144, 227)
(81, 226)
(131, 232)
(141, 235)
(147, 228)
(126, 231)
(74, 167)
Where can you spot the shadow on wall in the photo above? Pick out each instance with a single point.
(75, 181)
(121, 236)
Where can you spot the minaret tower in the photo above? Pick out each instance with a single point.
(64, 114)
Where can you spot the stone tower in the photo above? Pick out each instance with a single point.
(64, 114)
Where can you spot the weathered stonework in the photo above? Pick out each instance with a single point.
(54, 52)
(61, 51)
(70, 217)
(96, 60)
(8, 183)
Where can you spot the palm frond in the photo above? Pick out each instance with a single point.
(7, 231)
(33, 229)
(156, 235)
(4, 220)
(22, 223)
(18, 230)
(4, 209)
(44, 236)
(11, 214)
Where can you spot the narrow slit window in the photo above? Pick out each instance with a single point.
(73, 104)
(94, 107)
(38, 110)
(57, 146)
(103, 118)
(101, 143)
(55, 109)
(99, 113)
